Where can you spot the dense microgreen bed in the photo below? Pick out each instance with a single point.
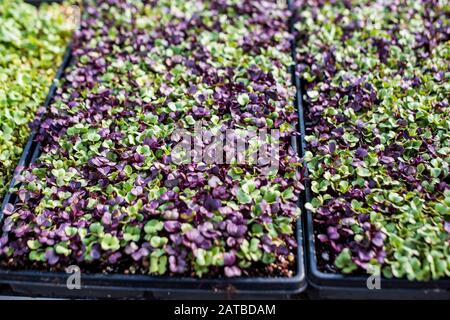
(377, 93)
(32, 43)
(106, 194)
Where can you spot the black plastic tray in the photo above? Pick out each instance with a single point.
(54, 284)
(324, 285)
(39, 2)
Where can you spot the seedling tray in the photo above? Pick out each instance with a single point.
(324, 285)
(37, 283)
(95, 285)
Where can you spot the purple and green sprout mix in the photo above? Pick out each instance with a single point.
(377, 93)
(105, 193)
